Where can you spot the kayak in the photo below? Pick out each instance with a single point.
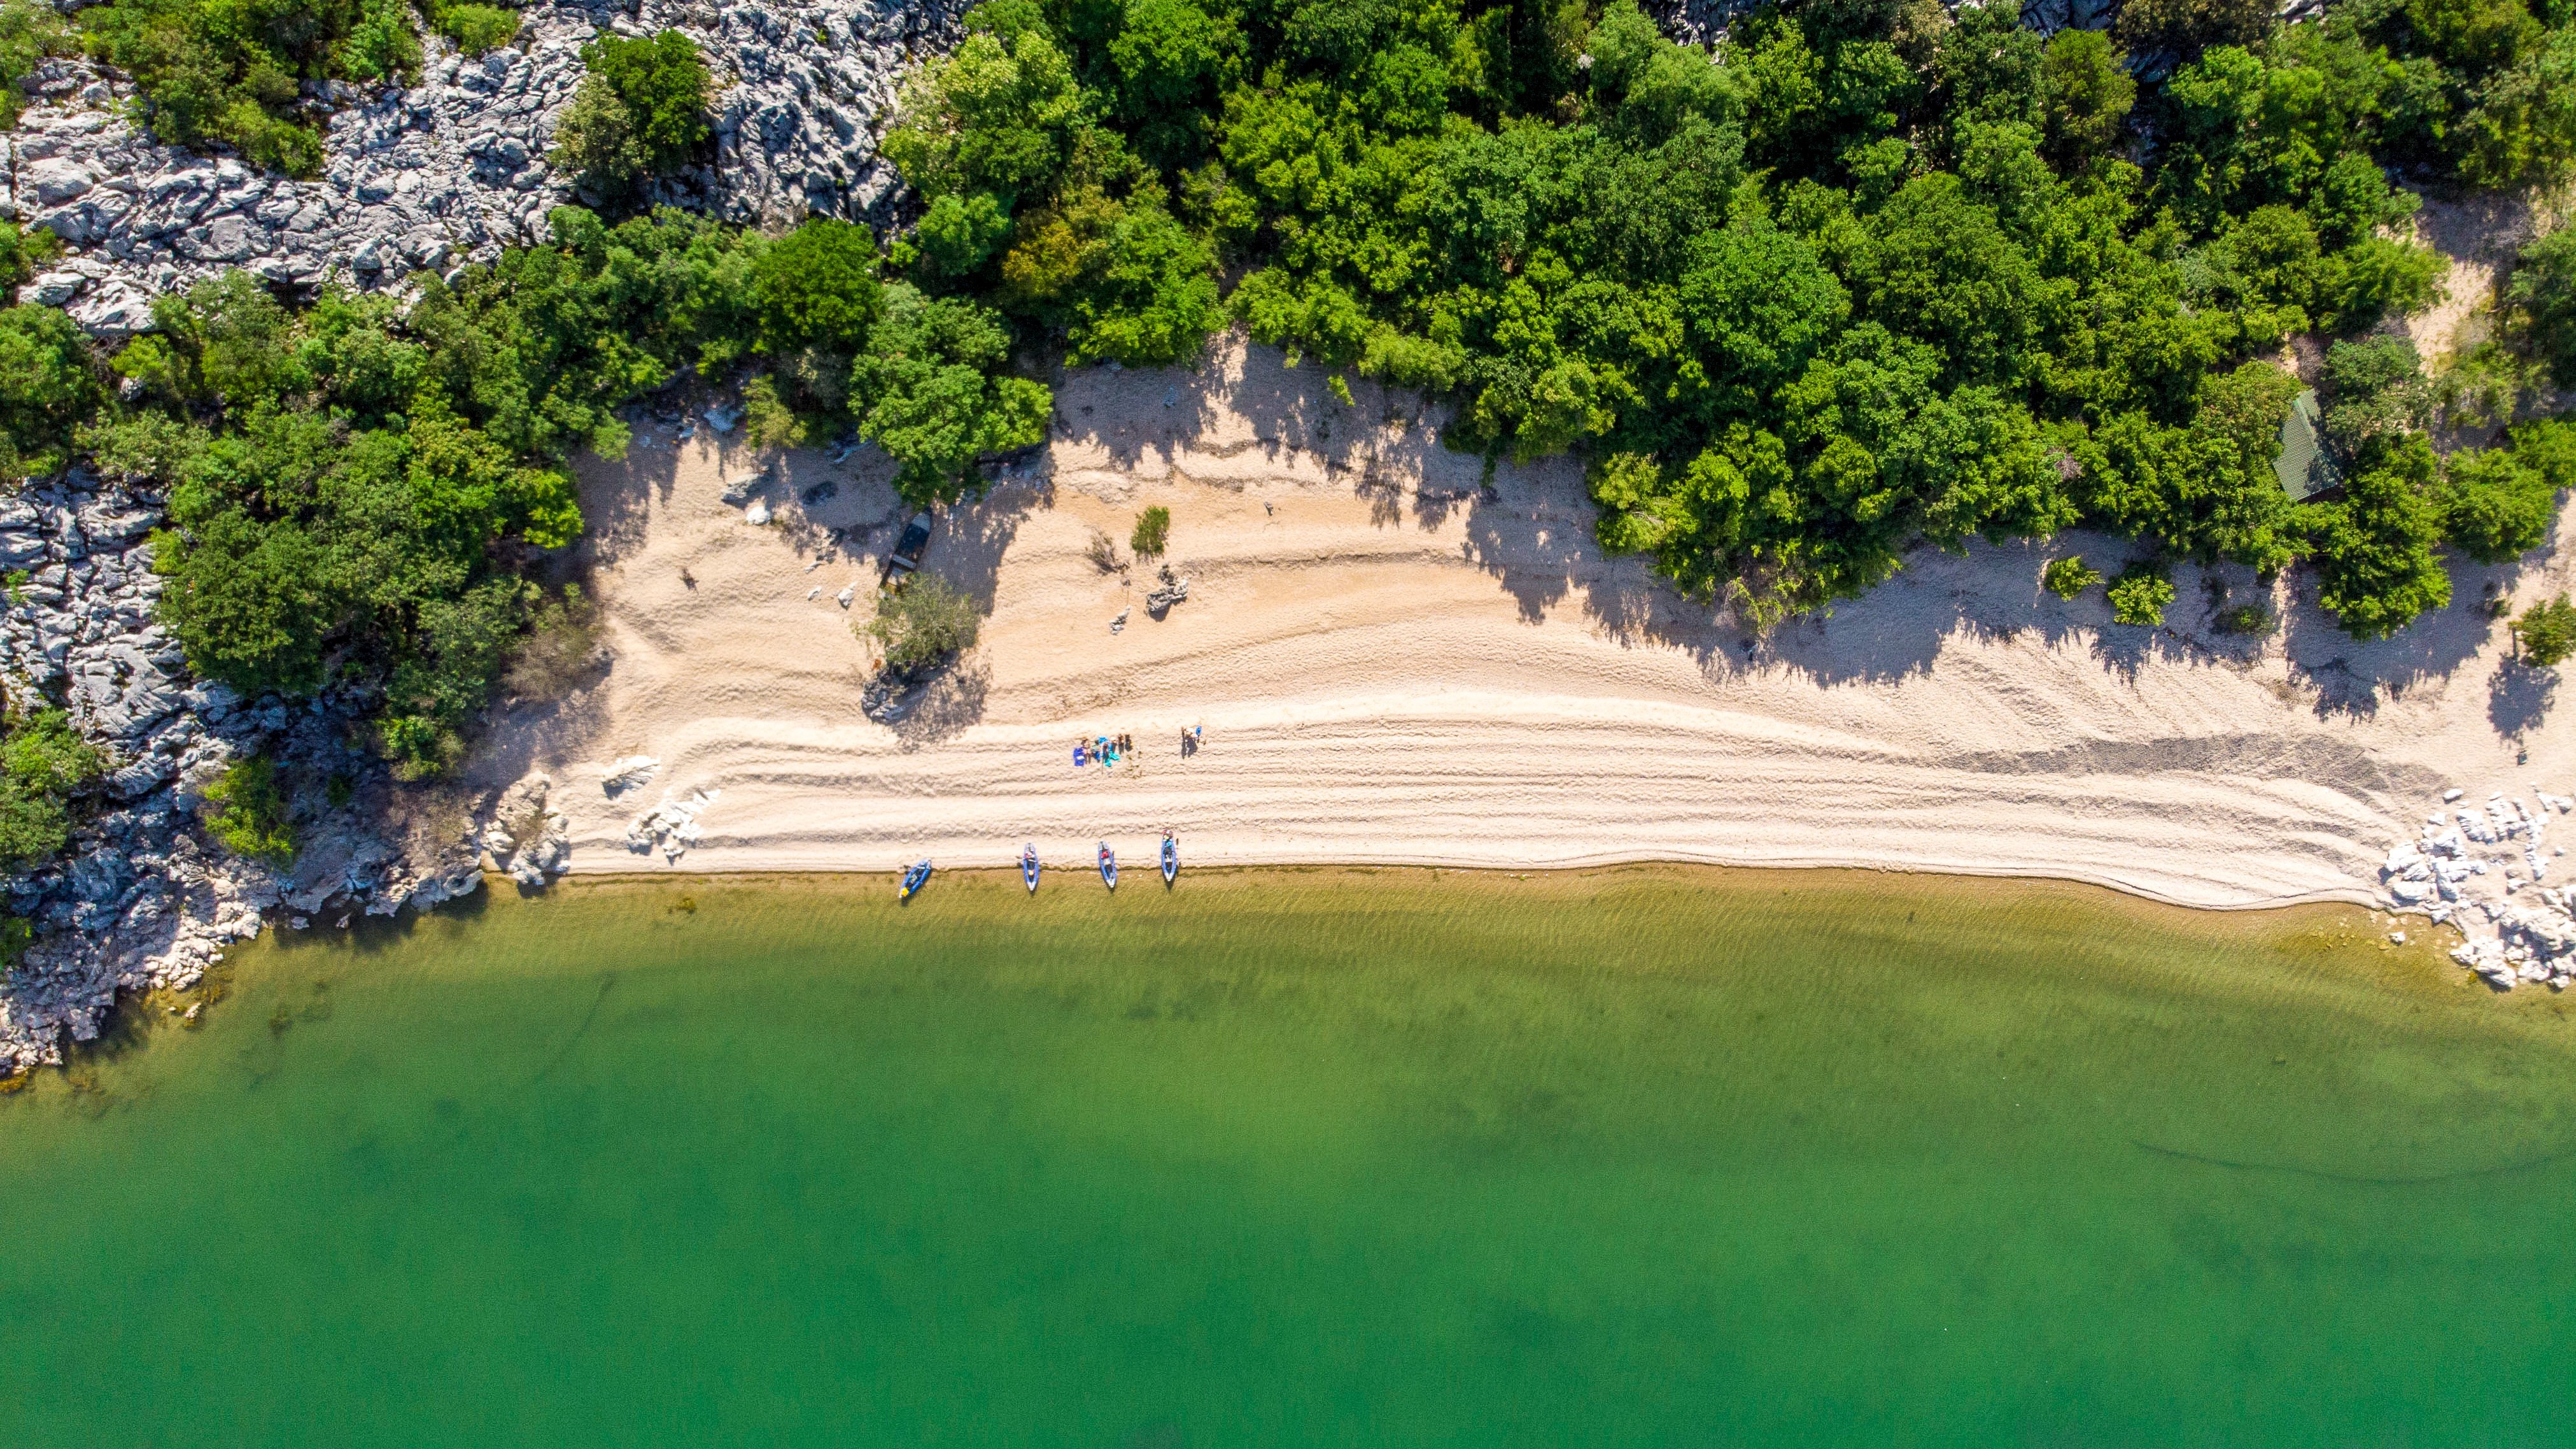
(1029, 865)
(1171, 859)
(1108, 865)
(912, 881)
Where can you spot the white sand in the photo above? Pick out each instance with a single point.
(1392, 668)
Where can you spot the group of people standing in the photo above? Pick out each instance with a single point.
(1110, 749)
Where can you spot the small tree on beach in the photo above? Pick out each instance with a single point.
(2140, 594)
(2547, 632)
(1153, 532)
(922, 622)
(2066, 577)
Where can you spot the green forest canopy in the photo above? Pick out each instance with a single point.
(1872, 273)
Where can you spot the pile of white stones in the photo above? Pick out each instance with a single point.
(2485, 870)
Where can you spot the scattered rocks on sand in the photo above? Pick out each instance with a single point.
(627, 773)
(670, 827)
(2468, 866)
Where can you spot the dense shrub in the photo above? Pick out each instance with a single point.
(477, 29)
(2069, 576)
(227, 71)
(41, 764)
(2540, 298)
(47, 386)
(1868, 278)
(30, 30)
(246, 810)
(1153, 532)
(921, 623)
(2141, 594)
(641, 110)
(2546, 632)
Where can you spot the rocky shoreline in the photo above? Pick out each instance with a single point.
(430, 177)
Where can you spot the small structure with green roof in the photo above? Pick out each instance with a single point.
(2305, 467)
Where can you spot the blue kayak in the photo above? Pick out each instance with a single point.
(1171, 859)
(913, 880)
(1108, 865)
(1029, 865)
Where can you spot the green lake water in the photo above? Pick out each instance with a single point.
(1630, 1157)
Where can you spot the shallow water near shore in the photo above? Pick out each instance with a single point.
(1635, 1156)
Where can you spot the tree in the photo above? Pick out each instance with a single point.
(641, 110)
(246, 810)
(2546, 632)
(47, 386)
(2069, 576)
(2540, 297)
(2376, 570)
(2185, 28)
(2493, 505)
(817, 286)
(927, 391)
(922, 622)
(2141, 593)
(662, 82)
(2090, 93)
(1153, 532)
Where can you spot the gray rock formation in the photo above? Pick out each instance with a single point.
(443, 173)
(453, 169)
(143, 899)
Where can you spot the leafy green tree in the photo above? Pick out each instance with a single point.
(2540, 296)
(48, 385)
(927, 392)
(921, 623)
(2376, 569)
(246, 810)
(663, 84)
(2493, 505)
(2089, 95)
(596, 142)
(641, 110)
(2185, 28)
(2069, 576)
(42, 764)
(2546, 632)
(817, 287)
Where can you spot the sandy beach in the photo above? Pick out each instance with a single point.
(1396, 657)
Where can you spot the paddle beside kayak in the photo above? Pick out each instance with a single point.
(1108, 865)
(1029, 866)
(1171, 859)
(913, 880)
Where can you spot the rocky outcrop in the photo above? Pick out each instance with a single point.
(2485, 869)
(453, 169)
(143, 898)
